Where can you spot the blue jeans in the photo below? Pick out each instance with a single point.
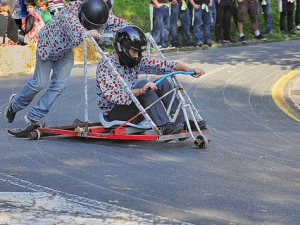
(267, 15)
(60, 75)
(184, 17)
(157, 112)
(214, 15)
(161, 25)
(205, 17)
(21, 39)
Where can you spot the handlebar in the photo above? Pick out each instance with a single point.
(171, 74)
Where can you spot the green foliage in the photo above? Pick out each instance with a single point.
(136, 12)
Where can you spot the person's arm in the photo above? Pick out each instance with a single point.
(150, 86)
(156, 4)
(38, 23)
(195, 6)
(198, 71)
(72, 27)
(29, 21)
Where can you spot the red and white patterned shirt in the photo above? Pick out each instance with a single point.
(65, 32)
(110, 90)
(62, 34)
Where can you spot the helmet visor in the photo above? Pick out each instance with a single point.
(139, 48)
(88, 24)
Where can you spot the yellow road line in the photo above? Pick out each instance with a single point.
(278, 95)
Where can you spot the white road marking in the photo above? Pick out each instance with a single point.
(48, 206)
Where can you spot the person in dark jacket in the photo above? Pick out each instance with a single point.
(10, 35)
(225, 10)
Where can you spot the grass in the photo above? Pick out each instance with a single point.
(137, 13)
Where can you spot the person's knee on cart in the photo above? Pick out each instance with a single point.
(128, 61)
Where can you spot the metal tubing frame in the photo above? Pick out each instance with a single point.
(184, 99)
(175, 80)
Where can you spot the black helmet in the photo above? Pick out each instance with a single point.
(126, 38)
(93, 14)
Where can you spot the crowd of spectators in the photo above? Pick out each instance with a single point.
(195, 20)
(200, 18)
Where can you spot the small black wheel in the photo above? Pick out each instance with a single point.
(201, 142)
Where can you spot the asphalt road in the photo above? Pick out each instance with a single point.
(249, 174)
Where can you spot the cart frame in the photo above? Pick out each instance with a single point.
(123, 131)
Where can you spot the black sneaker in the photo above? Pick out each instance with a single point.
(260, 37)
(292, 33)
(32, 122)
(188, 43)
(222, 42)
(176, 45)
(9, 112)
(201, 124)
(169, 47)
(230, 41)
(283, 33)
(171, 128)
(242, 39)
(209, 43)
(199, 43)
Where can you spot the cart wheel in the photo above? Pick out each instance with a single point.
(36, 134)
(201, 142)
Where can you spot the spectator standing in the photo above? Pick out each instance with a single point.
(17, 14)
(55, 6)
(225, 10)
(179, 10)
(11, 32)
(31, 25)
(43, 7)
(297, 15)
(265, 5)
(286, 8)
(161, 22)
(248, 7)
(24, 12)
(214, 15)
(202, 15)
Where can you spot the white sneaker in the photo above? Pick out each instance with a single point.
(32, 122)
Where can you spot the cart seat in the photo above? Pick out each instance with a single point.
(107, 124)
